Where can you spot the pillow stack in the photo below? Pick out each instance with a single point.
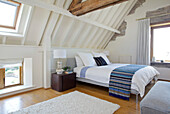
(87, 59)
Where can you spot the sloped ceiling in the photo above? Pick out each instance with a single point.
(73, 33)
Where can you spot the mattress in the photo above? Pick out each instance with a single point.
(101, 74)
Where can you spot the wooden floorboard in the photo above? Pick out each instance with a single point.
(23, 100)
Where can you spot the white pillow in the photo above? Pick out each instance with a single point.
(79, 62)
(96, 54)
(103, 56)
(87, 59)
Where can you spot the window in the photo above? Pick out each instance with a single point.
(160, 43)
(10, 73)
(9, 11)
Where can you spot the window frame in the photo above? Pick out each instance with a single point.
(16, 16)
(2, 77)
(156, 26)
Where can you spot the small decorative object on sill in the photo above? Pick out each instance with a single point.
(162, 61)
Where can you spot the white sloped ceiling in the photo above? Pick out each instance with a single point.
(73, 33)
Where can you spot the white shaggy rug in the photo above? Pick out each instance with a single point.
(71, 103)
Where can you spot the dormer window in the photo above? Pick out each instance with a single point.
(9, 11)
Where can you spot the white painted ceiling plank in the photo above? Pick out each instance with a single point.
(72, 34)
(129, 6)
(104, 15)
(95, 14)
(62, 30)
(87, 37)
(96, 38)
(83, 36)
(98, 33)
(116, 16)
(67, 4)
(67, 33)
(122, 13)
(53, 19)
(56, 9)
(104, 40)
(60, 3)
(88, 32)
(113, 16)
(76, 35)
(58, 24)
(100, 39)
(110, 16)
(91, 37)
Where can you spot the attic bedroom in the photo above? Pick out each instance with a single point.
(84, 56)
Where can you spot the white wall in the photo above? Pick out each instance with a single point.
(27, 72)
(37, 56)
(14, 52)
(127, 45)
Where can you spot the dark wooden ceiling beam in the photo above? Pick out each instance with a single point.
(92, 5)
(74, 3)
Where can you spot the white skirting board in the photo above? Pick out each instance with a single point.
(16, 90)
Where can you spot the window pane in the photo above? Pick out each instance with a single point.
(7, 13)
(12, 75)
(161, 43)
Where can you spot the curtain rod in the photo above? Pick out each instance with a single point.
(152, 16)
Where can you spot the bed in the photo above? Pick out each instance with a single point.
(100, 75)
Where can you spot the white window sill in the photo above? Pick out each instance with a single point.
(14, 90)
(8, 34)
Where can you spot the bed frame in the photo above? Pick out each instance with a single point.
(71, 62)
(107, 85)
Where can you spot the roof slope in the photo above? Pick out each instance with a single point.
(71, 32)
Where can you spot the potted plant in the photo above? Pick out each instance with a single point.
(67, 69)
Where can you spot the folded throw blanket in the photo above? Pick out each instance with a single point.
(120, 81)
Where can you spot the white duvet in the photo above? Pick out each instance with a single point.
(102, 74)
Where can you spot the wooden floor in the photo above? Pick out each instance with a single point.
(23, 100)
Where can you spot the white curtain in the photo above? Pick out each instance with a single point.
(143, 45)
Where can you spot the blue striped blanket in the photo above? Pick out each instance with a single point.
(120, 81)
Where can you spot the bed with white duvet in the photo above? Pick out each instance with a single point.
(101, 74)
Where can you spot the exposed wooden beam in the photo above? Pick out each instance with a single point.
(91, 5)
(56, 9)
(74, 3)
